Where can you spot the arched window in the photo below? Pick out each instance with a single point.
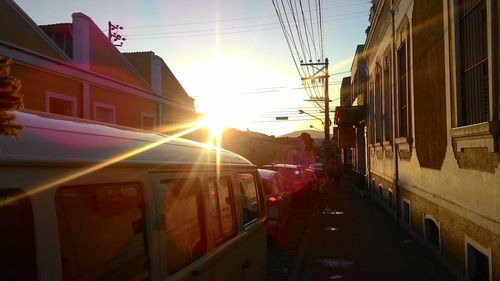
(432, 232)
(390, 201)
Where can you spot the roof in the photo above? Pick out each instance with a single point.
(45, 139)
(19, 30)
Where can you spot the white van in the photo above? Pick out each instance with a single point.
(86, 201)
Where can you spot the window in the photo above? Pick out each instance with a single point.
(169, 127)
(390, 201)
(387, 100)
(271, 185)
(104, 112)
(372, 112)
(380, 192)
(403, 104)
(478, 265)
(406, 212)
(182, 218)
(474, 100)
(102, 232)
(431, 233)
(60, 104)
(17, 249)
(378, 103)
(148, 121)
(221, 209)
(250, 197)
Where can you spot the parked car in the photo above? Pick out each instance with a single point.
(278, 200)
(318, 169)
(297, 180)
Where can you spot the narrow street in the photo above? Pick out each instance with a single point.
(186, 140)
(346, 237)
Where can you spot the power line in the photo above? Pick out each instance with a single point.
(284, 88)
(289, 120)
(238, 19)
(185, 34)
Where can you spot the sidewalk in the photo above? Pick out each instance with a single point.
(349, 238)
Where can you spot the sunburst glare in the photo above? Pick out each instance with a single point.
(214, 122)
(93, 168)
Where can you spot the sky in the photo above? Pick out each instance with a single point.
(231, 56)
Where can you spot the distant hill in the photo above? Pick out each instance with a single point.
(315, 134)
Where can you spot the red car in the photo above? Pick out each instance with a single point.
(295, 176)
(278, 200)
(298, 181)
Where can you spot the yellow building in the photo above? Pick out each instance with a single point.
(432, 135)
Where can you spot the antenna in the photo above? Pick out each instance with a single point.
(114, 35)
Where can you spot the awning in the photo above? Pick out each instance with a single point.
(348, 116)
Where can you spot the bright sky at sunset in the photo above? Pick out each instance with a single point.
(230, 55)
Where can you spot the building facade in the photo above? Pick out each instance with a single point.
(73, 69)
(433, 126)
(350, 119)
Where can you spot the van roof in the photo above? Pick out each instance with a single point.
(46, 139)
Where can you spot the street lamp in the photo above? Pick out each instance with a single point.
(303, 112)
(312, 127)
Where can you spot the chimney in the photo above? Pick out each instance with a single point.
(156, 77)
(81, 40)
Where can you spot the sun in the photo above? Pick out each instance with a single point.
(214, 123)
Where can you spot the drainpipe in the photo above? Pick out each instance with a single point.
(395, 149)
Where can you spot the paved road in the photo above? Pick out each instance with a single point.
(355, 240)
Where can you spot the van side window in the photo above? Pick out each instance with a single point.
(17, 246)
(221, 209)
(102, 232)
(250, 197)
(182, 210)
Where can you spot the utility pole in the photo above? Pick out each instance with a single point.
(322, 75)
(321, 67)
(327, 104)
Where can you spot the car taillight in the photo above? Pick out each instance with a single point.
(272, 199)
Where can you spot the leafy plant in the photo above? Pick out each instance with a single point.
(10, 100)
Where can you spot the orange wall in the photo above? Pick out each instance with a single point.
(178, 115)
(128, 109)
(35, 84)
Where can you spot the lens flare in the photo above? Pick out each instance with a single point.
(99, 166)
(215, 124)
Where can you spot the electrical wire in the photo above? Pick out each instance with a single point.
(212, 32)
(361, 3)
